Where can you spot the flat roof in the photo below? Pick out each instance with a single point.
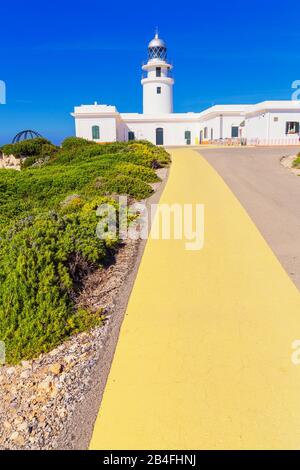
(100, 110)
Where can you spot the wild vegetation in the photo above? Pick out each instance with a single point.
(48, 242)
(296, 162)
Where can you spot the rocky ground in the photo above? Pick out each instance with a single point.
(287, 162)
(51, 402)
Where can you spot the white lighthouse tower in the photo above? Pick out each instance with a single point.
(158, 84)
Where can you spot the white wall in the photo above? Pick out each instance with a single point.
(154, 103)
(108, 128)
(262, 128)
(277, 128)
(219, 127)
(157, 103)
(257, 129)
(270, 128)
(173, 131)
(213, 128)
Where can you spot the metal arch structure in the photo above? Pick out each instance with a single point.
(25, 135)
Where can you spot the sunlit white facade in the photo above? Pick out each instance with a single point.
(266, 123)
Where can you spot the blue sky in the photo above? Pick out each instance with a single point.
(54, 55)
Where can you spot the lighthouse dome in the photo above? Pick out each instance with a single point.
(157, 48)
(157, 42)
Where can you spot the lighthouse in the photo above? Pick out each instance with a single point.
(158, 84)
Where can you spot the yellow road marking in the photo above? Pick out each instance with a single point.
(204, 355)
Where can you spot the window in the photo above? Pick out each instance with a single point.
(157, 52)
(275, 119)
(211, 134)
(158, 90)
(95, 132)
(131, 135)
(234, 131)
(205, 132)
(292, 128)
(158, 71)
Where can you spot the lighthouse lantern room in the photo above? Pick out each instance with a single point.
(158, 84)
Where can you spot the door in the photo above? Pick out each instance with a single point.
(187, 136)
(234, 131)
(201, 137)
(159, 136)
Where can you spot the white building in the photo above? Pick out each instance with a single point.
(266, 123)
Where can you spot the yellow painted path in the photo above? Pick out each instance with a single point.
(204, 355)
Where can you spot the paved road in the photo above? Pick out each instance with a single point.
(269, 193)
(203, 359)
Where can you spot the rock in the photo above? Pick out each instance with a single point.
(53, 352)
(11, 162)
(17, 438)
(20, 441)
(19, 420)
(61, 412)
(26, 364)
(25, 374)
(23, 427)
(14, 436)
(62, 377)
(46, 384)
(56, 368)
(70, 358)
(10, 371)
(7, 425)
(44, 370)
(54, 392)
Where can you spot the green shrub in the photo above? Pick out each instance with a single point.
(124, 184)
(75, 142)
(29, 162)
(29, 148)
(136, 171)
(296, 162)
(48, 242)
(50, 255)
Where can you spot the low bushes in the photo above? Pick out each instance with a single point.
(42, 262)
(30, 148)
(35, 151)
(296, 162)
(48, 242)
(75, 143)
